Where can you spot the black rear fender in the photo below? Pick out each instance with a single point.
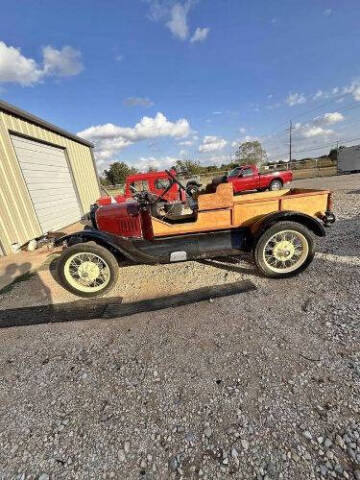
(266, 222)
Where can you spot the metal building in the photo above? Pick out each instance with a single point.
(48, 177)
(349, 159)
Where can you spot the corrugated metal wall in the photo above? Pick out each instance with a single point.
(349, 159)
(18, 221)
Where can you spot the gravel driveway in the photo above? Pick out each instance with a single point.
(261, 385)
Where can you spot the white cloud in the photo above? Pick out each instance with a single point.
(295, 99)
(356, 93)
(144, 163)
(186, 143)
(315, 131)
(339, 92)
(211, 143)
(174, 14)
(242, 130)
(178, 21)
(318, 94)
(158, 9)
(217, 159)
(353, 89)
(138, 102)
(63, 63)
(249, 138)
(327, 12)
(217, 113)
(329, 118)
(16, 68)
(110, 138)
(317, 128)
(246, 138)
(200, 34)
(119, 58)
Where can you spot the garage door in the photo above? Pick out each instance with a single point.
(48, 179)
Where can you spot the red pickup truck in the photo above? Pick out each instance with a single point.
(247, 177)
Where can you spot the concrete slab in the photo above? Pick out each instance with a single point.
(14, 266)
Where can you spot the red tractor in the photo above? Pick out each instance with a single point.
(155, 183)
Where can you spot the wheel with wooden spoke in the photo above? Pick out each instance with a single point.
(87, 269)
(283, 250)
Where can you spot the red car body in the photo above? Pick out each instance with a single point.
(247, 177)
(154, 182)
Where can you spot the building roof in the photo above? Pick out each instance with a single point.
(8, 108)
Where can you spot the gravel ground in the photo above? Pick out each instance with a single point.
(261, 385)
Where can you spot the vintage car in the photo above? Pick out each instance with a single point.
(276, 226)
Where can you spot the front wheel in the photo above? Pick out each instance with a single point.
(284, 250)
(87, 269)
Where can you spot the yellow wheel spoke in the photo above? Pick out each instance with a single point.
(86, 271)
(285, 251)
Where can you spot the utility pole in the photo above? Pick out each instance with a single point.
(290, 130)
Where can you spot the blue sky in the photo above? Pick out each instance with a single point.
(151, 81)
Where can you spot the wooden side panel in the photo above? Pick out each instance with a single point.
(223, 198)
(245, 198)
(310, 204)
(206, 221)
(245, 214)
(247, 211)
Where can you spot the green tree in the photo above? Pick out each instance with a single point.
(189, 166)
(117, 173)
(250, 153)
(152, 169)
(333, 154)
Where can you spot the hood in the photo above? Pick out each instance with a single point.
(120, 219)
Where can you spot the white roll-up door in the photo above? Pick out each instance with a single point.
(49, 181)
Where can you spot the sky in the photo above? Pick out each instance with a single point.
(153, 81)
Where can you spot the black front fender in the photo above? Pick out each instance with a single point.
(114, 243)
(310, 222)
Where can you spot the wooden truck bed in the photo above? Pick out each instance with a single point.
(222, 210)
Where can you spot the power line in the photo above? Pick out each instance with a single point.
(341, 140)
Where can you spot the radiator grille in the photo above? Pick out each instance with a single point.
(130, 227)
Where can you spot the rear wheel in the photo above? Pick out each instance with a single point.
(87, 270)
(284, 250)
(275, 185)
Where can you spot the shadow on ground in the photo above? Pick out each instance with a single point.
(112, 307)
